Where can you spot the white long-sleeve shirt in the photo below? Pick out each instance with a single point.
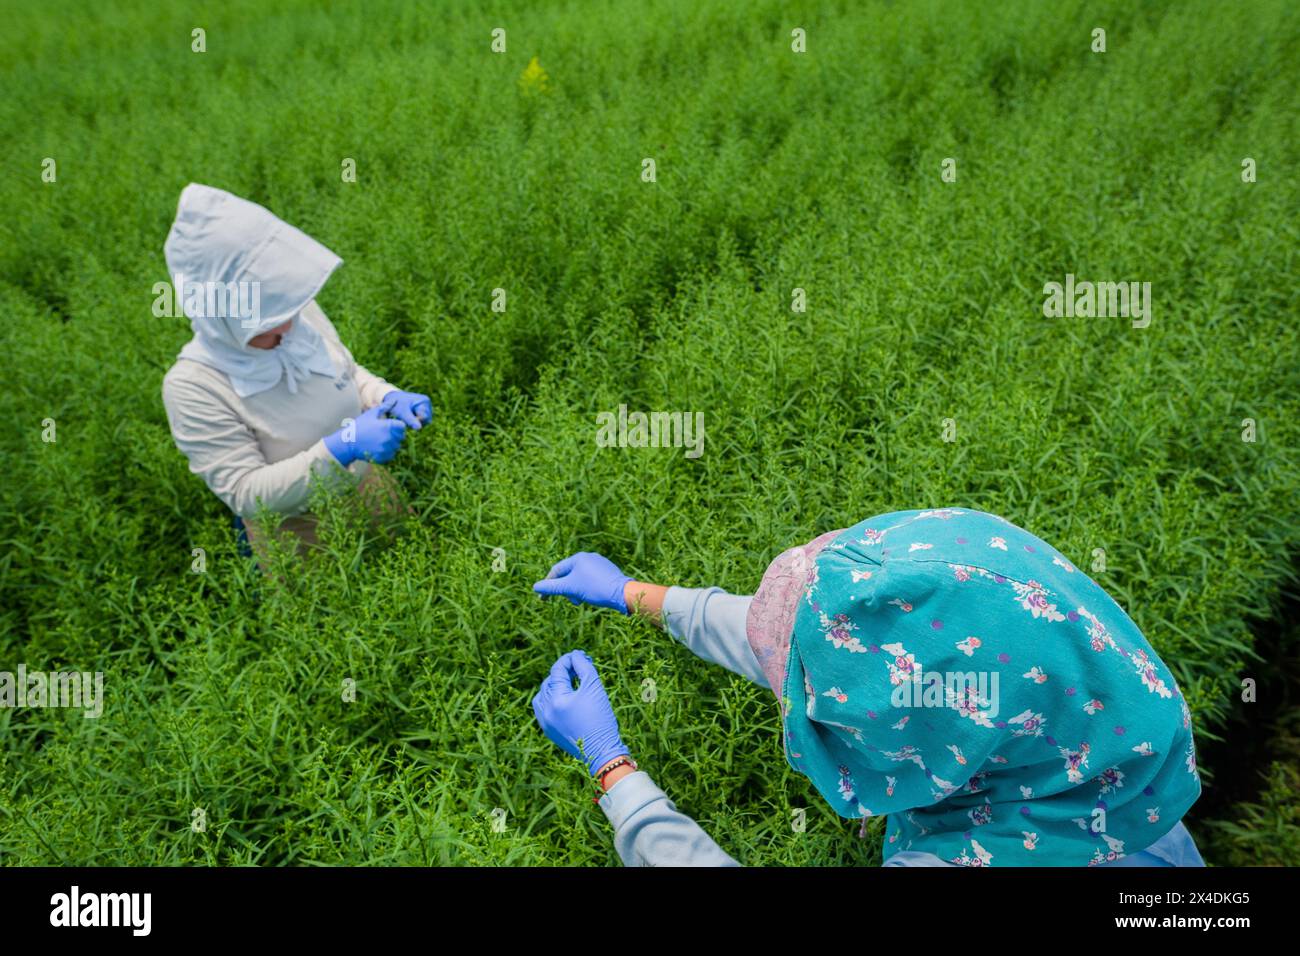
(267, 447)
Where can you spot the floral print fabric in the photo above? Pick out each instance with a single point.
(960, 675)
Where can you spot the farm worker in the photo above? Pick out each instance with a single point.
(265, 397)
(944, 669)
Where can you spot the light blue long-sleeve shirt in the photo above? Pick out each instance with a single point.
(650, 831)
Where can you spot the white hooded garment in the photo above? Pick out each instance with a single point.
(250, 421)
(240, 271)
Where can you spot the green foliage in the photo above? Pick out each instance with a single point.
(774, 171)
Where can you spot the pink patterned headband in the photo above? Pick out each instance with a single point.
(771, 614)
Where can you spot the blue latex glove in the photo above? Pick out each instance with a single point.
(586, 578)
(372, 436)
(569, 716)
(412, 408)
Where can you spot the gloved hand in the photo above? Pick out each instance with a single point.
(412, 408)
(586, 578)
(372, 436)
(568, 716)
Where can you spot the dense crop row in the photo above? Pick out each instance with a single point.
(774, 171)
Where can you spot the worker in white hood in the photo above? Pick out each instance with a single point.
(265, 396)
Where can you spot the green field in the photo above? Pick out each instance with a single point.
(775, 170)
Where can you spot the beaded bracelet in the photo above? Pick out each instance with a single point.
(600, 777)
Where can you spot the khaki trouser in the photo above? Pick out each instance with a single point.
(381, 494)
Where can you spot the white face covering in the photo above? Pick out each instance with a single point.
(240, 271)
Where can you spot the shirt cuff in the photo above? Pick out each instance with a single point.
(630, 795)
(330, 469)
(375, 392)
(678, 602)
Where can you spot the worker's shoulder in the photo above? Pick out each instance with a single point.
(188, 382)
(314, 314)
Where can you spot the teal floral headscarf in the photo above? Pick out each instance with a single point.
(958, 674)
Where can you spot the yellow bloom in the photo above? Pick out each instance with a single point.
(534, 78)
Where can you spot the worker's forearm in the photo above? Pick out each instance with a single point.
(612, 777)
(712, 624)
(282, 487)
(649, 830)
(646, 600)
(371, 387)
(709, 621)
